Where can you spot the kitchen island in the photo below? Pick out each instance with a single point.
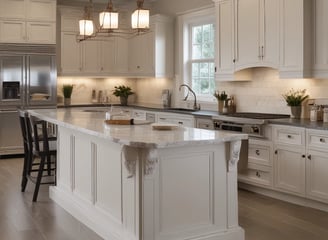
(133, 182)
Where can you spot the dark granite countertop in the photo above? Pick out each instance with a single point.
(306, 123)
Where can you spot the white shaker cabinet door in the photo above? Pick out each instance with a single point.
(12, 9)
(12, 31)
(316, 175)
(289, 169)
(70, 60)
(41, 32)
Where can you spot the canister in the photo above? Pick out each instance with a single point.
(313, 114)
(325, 114)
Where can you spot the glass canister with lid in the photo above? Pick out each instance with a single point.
(325, 114)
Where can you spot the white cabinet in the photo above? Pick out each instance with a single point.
(151, 54)
(317, 165)
(259, 167)
(70, 54)
(28, 21)
(296, 39)
(320, 43)
(247, 36)
(289, 159)
(180, 119)
(257, 28)
(204, 123)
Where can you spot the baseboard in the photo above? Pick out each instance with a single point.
(285, 197)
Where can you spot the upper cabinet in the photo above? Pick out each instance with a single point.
(265, 33)
(320, 43)
(247, 36)
(28, 21)
(257, 26)
(151, 54)
(296, 38)
(144, 55)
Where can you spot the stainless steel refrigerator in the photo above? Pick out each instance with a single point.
(28, 80)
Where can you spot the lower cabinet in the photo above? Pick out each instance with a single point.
(289, 166)
(259, 166)
(181, 119)
(204, 123)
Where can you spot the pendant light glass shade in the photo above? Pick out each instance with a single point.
(108, 19)
(86, 27)
(140, 19)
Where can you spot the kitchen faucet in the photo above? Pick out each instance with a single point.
(196, 106)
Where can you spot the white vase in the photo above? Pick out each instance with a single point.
(67, 101)
(296, 112)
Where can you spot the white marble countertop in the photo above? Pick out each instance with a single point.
(133, 135)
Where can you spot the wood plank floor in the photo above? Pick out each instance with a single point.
(262, 218)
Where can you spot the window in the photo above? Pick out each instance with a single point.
(201, 59)
(196, 37)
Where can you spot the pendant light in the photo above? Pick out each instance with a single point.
(108, 19)
(140, 17)
(86, 24)
(108, 22)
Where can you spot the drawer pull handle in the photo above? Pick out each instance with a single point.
(276, 152)
(309, 157)
(322, 140)
(257, 152)
(258, 174)
(289, 136)
(303, 156)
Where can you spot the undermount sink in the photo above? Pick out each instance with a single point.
(183, 109)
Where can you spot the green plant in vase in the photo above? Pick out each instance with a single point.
(221, 97)
(67, 92)
(294, 99)
(123, 92)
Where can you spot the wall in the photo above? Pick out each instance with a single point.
(147, 90)
(172, 7)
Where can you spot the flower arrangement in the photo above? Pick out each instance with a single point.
(220, 96)
(295, 97)
(67, 90)
(122, 91)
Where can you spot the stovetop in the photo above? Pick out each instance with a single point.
(257, 115)
(249, 117)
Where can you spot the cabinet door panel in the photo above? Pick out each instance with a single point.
(38, 32)
(225, 38)
(12, 9)
(248, 33)
(41, 10)
(289, 168)
(90, 56)
(108, 55)
(70, 53)
(270, 41)
(317, 177)
(12, 31)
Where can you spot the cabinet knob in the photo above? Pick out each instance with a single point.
(257, 152)
(289, 136)
(215, 69)
(258, 174)
(276, 152)
(181, 123)
(303, 156)
(234, 60)
(322, 140)
(309, 157)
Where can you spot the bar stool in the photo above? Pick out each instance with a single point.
(40, 151)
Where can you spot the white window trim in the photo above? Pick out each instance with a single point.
(183, 24)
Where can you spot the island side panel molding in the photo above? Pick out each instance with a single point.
(188, 178)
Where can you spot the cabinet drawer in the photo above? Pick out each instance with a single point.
(317, 139)
(256, 174)
(259, 154)
(289, 135)
(204, 123)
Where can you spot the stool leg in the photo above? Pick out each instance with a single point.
(24, 174)
(38, 180)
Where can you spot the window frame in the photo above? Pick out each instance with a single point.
(185, 22)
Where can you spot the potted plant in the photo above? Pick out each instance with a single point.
(221, 97)
(67, 92)
(123, 92)
(294, 99)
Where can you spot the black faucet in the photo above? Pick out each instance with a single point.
(196, 106)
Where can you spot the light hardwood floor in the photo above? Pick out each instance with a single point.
(262, 218)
